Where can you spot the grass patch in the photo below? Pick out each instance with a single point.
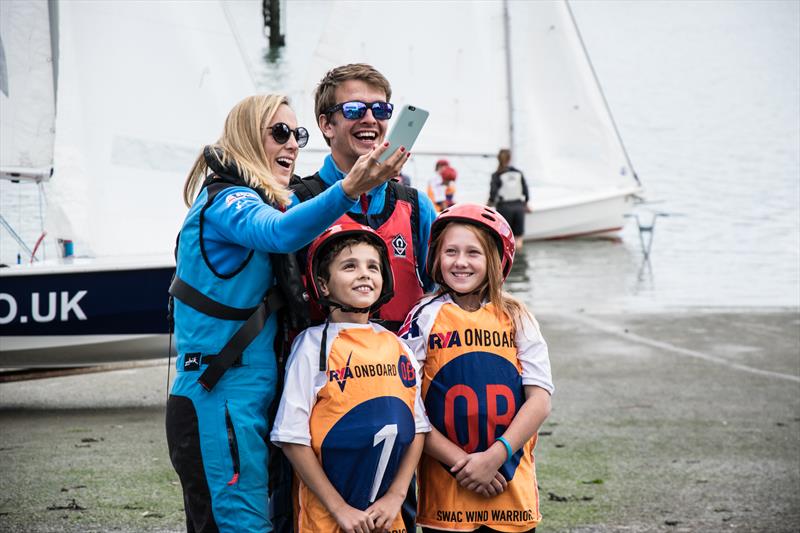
(121, 480)
(574, 474)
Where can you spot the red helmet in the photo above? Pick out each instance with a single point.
(483, 217)
(448, 174)
(331, 235)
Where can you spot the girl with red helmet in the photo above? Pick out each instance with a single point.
(350, 419)
(486, 380)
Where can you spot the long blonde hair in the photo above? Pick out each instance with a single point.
(492, 287)
(242, 144)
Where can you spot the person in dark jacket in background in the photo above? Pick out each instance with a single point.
(508, 193)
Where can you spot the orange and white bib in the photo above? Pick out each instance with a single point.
(472, 389)
(362, 418)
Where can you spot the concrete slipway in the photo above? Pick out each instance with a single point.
(682, 421)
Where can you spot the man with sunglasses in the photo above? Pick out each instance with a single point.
(353, 111)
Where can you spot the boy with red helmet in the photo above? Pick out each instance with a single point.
(350, 419)
(486, 380)
(353, 107)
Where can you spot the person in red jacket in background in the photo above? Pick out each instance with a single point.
(449, 176)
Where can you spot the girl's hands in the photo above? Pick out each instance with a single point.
(385, 510)
(479, 470)
(497, 486)
(351, 520)
(368, 173)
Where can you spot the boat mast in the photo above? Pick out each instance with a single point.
(52, 10)
(600, 89)
(271, 11)
(509, 89)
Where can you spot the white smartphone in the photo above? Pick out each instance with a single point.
(405, 130)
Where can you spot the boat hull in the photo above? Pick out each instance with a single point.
(579, 217)
(74, 316)
(80, 350)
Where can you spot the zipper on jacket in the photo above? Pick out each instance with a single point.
(232, 445)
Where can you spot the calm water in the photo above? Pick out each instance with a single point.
(707, 97)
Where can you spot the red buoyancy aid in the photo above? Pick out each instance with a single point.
(397, 234)
(396, 225)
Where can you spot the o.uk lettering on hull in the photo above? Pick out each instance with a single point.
(44, 307)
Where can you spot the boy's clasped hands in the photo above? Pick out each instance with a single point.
(377, 518)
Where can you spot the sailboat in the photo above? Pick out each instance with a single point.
(105, 105)
(562, 130)
(508, 74)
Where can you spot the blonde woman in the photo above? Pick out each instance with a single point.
(224, 303)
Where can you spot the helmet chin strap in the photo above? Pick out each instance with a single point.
(449, 290)
(325, 301)
(344, 308)
(323, 348)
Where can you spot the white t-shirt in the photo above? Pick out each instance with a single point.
(437, 189)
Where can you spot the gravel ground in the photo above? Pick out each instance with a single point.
(682, 421)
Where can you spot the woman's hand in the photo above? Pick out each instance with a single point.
(368, 173)
(351, 520)
(478, 470)
(385, 510)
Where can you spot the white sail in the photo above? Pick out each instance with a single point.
(563, 135)
(442, 56)
(27, 105)
(142, 87)
(489, 82)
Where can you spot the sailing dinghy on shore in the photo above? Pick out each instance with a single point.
(106, 105)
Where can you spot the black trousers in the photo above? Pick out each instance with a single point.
(409, 508)
(514, 213)
(183, 441)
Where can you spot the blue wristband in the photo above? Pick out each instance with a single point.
(509, 451)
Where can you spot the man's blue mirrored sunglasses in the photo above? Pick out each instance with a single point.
(355, 110)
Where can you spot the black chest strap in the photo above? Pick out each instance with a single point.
(308, 187)
(255, 319)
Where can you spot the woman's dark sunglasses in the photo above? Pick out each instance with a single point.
(355, 110)
(281, 133)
